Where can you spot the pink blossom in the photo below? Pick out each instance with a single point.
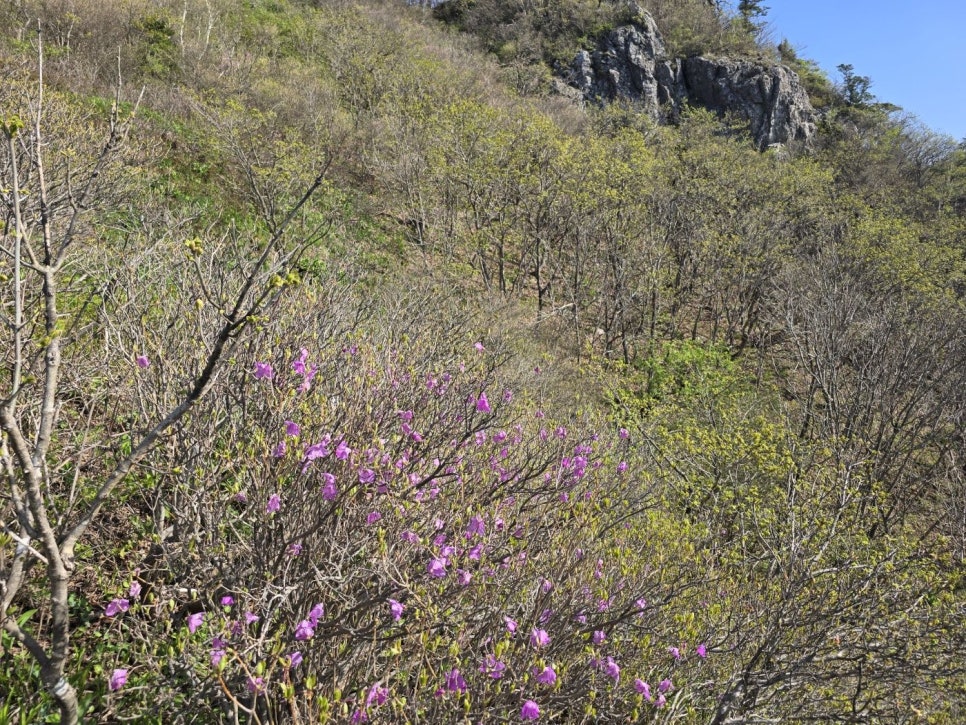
(264, 371)
(493, 667)
(295, 659)
(329, 489)
(396, 608)
(142, 361)
(539, 638)
(342, 451)
(477, 527)
(530, 711)
(643, 688)
(367, 475)
(612, 670)
(674, 652)
(255, 685)
(117, 680)
(227, 601)
(195, 620)
(116, 606)
(436, 568)
(134, 591)
(482, 404)
(702, 651)
(373, 517)
(279, 450)
(304, 630)
(547, 676)
(599, 636)
(665, 685)
(455, 681)
(511, 625)
(274, 504)
(463, 577)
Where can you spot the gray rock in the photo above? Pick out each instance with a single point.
(631, 63)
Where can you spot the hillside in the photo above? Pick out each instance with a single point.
(352, 373)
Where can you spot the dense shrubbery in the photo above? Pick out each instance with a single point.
(525, 412)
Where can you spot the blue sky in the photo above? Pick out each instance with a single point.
(914, 52)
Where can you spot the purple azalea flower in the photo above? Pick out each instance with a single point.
(227, 601)
(377, 695)
(294, 549)
(624, 434)
(612, 670)
(674, 652)
(142, 361)
(117, 680)
(479, 346)
(195, 620)
(455, 681)
(643, 688)
(599, 636)
(292, 429)
(539, 638)
(396, 608)
(256, 685)
(217, 655)
(274, 503)
(250, 618)
(316, 613)
(367, 475)
(661, 701)
(263, 371)
(342, 451)
(702, 651)
(547, 677)
(530, 711)
(373, 517)
(315, 451)
(493, 667)
(295, 659)
(463, 577)
(511, 625)
(665, 685)
(482, 404)
(304, 630)
(279, 450)
(436, 567)
(329, 490)
(116, 606)
(134, 591)
(477, 527)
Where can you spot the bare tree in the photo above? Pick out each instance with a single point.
(47, 212)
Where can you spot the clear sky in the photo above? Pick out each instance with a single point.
(914, 52)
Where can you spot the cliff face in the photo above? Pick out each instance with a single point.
(631, 63)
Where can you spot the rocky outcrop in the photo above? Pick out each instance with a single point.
(631, 63)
